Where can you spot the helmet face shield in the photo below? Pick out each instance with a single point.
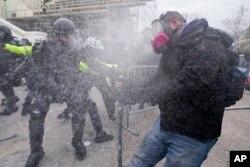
(156, 27)
(66, 32)
(73, 41)
(64, 26)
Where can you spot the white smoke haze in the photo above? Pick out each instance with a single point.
(124, 32)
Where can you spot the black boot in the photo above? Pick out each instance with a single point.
(80, 150)
(10, 104)
(103, 137)
(9, 110)
(34, 158)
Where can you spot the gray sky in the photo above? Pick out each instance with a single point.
(215, 11)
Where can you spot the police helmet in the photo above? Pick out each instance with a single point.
(64, 26)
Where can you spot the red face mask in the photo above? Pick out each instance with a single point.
(160, 41)
(161, 38)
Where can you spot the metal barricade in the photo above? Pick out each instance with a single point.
(139, 74)
(136, 75)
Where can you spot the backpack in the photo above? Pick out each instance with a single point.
(235, 82)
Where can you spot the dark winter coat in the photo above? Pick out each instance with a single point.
(190, 83)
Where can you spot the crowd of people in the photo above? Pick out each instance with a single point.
(189, 87)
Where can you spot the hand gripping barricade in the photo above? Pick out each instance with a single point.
(127, 99)
(138, 75)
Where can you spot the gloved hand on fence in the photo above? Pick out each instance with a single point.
(148, 95)
(128, 93)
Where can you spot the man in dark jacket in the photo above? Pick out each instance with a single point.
(190, 90)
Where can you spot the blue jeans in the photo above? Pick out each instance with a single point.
(179, 150)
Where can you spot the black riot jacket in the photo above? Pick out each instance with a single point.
(58, 70)
(8, 63)
(190, 81)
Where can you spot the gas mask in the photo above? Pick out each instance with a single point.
(161, 36)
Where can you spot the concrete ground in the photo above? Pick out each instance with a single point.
(57, 138)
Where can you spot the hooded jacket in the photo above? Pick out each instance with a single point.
(189, 84)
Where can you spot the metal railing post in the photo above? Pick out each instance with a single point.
(238, 108)
(120, 117)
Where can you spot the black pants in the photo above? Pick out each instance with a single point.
(9, 94)
(107, 96)
(78, 106)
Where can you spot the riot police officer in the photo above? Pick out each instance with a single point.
(8, 63)
(96, 50)
(61, 81)
(93, 49)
